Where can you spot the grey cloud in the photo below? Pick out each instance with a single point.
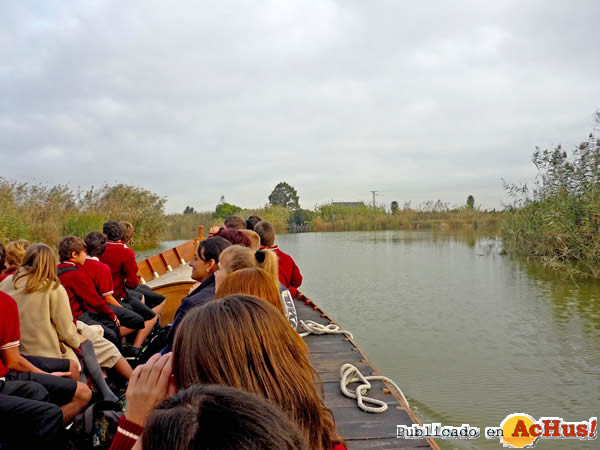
(424, 101)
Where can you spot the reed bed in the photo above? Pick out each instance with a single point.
(558, 221)
(41, 213)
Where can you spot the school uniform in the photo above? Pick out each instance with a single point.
(86, 304)
(289, 274)
(46, 321)
(101, 276)
(60, 390)
(124, 269)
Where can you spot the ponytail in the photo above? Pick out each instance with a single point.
(260, 256)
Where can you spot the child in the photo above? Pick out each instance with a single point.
(86, 304)
(289, 274)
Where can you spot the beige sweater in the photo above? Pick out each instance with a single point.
(47, 327)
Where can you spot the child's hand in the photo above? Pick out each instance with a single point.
(149, 385)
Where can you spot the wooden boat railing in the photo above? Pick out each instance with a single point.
(157, 265)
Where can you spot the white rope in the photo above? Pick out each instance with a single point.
(316, 328)
(350, 374)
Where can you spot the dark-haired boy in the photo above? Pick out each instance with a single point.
(101, 276)
(86, 304)
(289, 274)
(124, 270)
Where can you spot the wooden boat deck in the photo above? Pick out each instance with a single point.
(361, 430)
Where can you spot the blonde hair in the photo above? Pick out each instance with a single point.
(254, 239)
(15, 250)
(128, 231)
(239, 257)
(39, 265)
(253, 281)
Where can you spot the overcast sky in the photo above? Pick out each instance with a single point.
(193, 100)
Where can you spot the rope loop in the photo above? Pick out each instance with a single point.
(312, 327)
(350, 374)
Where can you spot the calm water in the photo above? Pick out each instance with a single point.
(470, 336)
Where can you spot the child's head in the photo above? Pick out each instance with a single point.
(251, 221)
(253, 237)
(237, 257)
(213, 416)
(236, 237)
(254, 282)
(95, 243)
(234, 222)
(112, 230)
(71, 247)
(15, 250)
(266, 232)
(39, 263)
(127, 231)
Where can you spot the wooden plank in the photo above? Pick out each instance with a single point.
(339, 357)
(186, 251)
(157, 265)
(145, 270)
(331, 347)
(353, 423)
(170, 257)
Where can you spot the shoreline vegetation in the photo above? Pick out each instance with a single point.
(557, 220)
(41, 213)
(45, 214)
(436, 216)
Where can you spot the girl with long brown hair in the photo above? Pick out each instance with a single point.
(243, 342)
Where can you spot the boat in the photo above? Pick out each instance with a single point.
(169, 274)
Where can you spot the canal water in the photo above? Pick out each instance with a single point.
(470, 335)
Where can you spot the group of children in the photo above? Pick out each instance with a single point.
(234, 372)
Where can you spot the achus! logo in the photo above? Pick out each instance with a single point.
(520, 430)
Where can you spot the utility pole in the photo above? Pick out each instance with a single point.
(374, 193)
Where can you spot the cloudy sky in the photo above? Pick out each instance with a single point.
(194, 100)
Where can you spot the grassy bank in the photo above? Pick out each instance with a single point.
(45, 214)
(328, 217)
(427, 216)
(558, 221)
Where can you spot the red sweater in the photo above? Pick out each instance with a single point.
(100, 275)
(289, 274)
(123, 267)
(82, 292)
(127, 435)
(10, 334)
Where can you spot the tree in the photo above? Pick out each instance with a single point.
(226, 209)
(284, 195)
(394, 207)
(189, 210)
(470, 202)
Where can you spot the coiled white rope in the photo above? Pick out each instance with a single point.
(350, 374)
(312, 327)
